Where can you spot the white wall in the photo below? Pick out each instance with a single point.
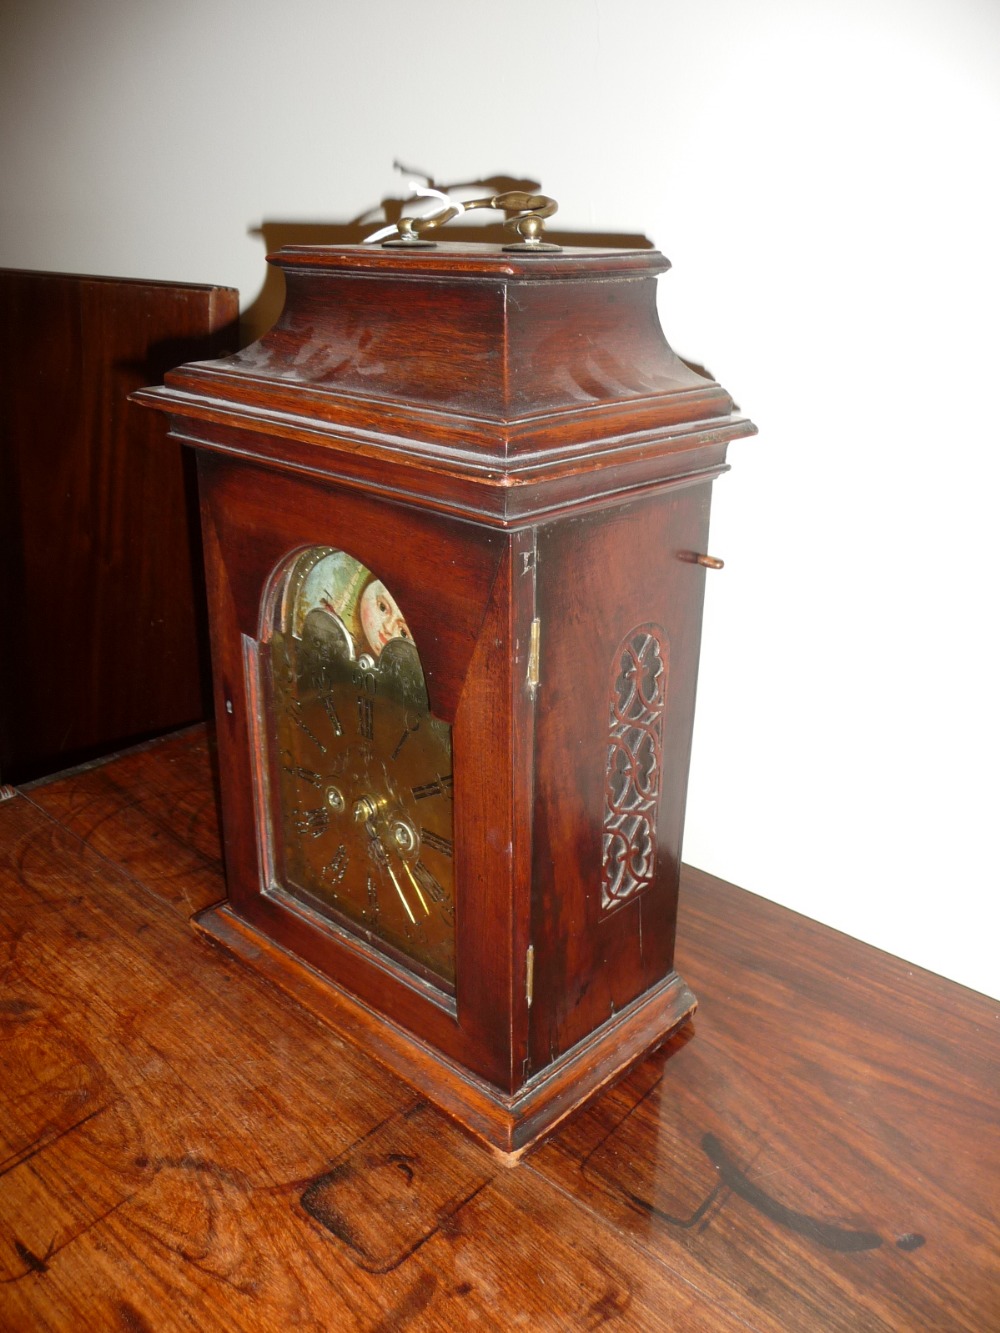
(824, 177)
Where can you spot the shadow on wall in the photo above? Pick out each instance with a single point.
(259, 316)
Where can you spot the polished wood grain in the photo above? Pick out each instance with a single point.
(182, 1146)
(100, 586)
(508, 1122)
(151, 810)
(598, 580)
(497, 387)
(471, 343)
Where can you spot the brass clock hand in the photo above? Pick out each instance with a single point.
(402, 898)
(413, 881)
(367, 809)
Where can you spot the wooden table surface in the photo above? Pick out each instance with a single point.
(183, 1147)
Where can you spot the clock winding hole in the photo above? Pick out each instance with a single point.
(405, 837)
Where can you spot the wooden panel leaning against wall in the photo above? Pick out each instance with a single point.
(103, 636)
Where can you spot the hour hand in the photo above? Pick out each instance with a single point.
(366, 809)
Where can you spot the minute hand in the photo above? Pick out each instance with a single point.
(382, 856)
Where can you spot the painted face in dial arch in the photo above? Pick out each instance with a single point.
(381, 618)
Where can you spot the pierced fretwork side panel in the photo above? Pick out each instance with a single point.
(635, 760)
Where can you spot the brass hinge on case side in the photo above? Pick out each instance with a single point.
(533, 653)
(529, 979)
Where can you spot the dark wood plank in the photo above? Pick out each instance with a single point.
(97, 542)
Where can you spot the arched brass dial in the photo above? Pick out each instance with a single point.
(363, 773)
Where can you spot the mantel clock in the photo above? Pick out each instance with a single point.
(455, 510)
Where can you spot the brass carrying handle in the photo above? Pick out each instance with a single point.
(529, 224)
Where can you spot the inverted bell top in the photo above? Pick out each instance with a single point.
(470, 357)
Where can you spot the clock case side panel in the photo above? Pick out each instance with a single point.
(601, 579)
(452, 582)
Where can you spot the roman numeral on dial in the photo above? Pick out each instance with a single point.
(294, 711)
(304, 775)
(431, 839)
(336, 869)
(441, 786)
(311, 823)
(366, 718)
(434, 890)
(331, 713)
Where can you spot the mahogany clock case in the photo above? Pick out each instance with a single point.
(537, 514)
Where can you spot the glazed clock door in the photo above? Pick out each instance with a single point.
(360, 771)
